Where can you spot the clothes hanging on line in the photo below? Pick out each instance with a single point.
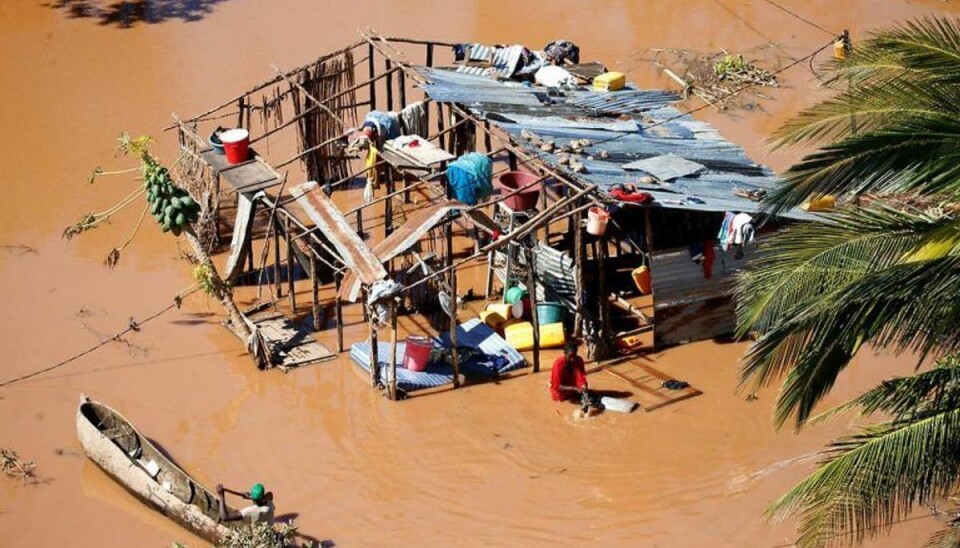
(413, 119)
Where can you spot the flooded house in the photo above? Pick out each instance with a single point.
(505, 210)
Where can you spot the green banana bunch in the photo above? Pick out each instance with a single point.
(170, 205)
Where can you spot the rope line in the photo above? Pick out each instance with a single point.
(132, 326)
(799, 17)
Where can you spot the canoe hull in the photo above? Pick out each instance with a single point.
(134, 477)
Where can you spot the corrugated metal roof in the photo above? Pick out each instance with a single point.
(515, 107)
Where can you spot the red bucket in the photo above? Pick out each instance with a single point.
(416, 355)
(236, 145)
(525, 199)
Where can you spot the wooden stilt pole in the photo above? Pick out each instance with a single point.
(374, 353)
(648, 229)
(579, 258)
(389, 81)
(486, 136)
(402, 89)
(291, 288)
(338, 281)
(315, 277)
(604, 300)
(441, 125)
(393, 353)
(372, 74)
(278, 287)
(454, 353)
(532, 290)
(388, 204)
(512, 160)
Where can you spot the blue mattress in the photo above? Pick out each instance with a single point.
(498, 357)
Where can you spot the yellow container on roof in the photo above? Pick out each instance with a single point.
(609, 81)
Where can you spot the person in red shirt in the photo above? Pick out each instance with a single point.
(568, 380)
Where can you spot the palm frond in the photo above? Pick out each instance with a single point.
(874, 478)
(894, 130)
(801, 262)
(899, 308)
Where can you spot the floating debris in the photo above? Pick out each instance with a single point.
(15, 467)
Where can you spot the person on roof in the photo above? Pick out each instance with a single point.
(260, 511)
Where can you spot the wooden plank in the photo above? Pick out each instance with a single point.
(665, 398)
(248, 176)
(353, 252)
(405, 236)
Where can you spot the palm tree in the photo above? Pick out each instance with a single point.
(883, 271)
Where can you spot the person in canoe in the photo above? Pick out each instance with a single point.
(261, 509)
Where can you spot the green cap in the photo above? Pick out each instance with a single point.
(257, 492)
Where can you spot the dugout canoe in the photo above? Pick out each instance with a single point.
(126, 455)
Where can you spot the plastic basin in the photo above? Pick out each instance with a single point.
(525, 199)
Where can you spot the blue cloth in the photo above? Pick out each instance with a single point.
(469, 176)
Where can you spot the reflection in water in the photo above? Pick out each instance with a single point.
(127, 13)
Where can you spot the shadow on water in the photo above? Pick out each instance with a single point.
(128, 13)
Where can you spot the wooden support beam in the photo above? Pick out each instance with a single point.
(388, 204)
(374, 350)
(315, 283)
(442, 140)
(454, 353)
(392, 393)
(579, 258)
(389, 82)
(291, 288)
(372, 73)
(402, 89)
(338, 303)
(532, 290)
(278, 291)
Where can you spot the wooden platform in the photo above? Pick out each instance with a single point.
(249, 176)
(292, 344)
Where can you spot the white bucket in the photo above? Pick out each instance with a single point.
(597, 219)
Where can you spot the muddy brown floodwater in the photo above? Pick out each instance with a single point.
(494, 464)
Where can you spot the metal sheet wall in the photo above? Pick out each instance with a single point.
(687, 306)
